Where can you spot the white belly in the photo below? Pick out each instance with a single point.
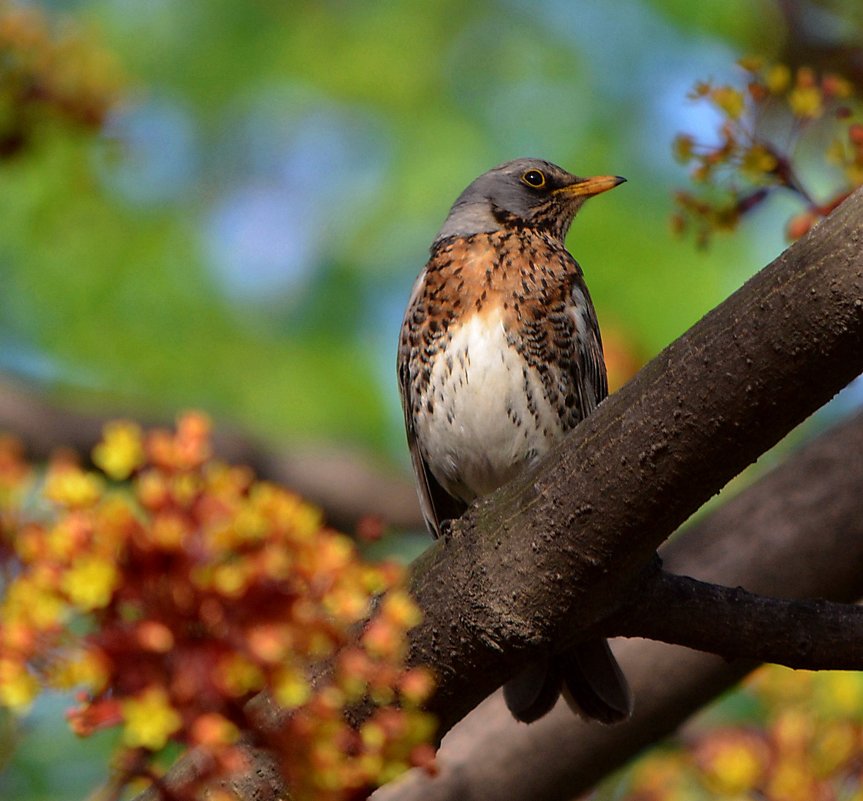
(489, 417)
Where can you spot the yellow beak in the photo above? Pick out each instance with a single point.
(592, 186)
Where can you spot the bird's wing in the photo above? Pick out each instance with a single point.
(436, 504)
(588, 365)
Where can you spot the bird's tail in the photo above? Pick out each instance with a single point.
(588, 676)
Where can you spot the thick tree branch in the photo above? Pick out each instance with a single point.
(813, 635)
(796, 533)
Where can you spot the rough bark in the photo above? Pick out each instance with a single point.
(813, 635)
(796, 533)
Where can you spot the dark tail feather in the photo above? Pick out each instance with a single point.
(534, 692)
(591, 680)
(594, 684)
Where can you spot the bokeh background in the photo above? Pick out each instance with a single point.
(237, 224)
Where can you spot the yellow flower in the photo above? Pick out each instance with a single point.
(287, 511)
(238, 675)
(732, 762)
(307, 521)
(758, 161)
(121, 450)
(18, 687)
(729, 100)
(90, 582)
(836, 745)
(72, 487)
(84, 668)
(66, 537)
(149, 720)
(839, 692)
(250, 524)
(168, 531)
(373, 735)
(793, 731)
(778, 78)
(32, 602)
(291, 688)
(185, 487)
(398, 607)
(346, 603)
(735, 770)
(383, 639)
(806, 102)
(333, 553)
(231, 579)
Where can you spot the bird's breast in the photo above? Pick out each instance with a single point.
(483, 415)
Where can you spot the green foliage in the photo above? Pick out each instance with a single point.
(748, 24)
(108, 275)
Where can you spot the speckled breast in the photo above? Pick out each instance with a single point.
(483, 415)
(499, 356)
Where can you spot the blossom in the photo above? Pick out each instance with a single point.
(149, 719)
(90, 582)
(755, 147)
(121, 450)
(169, 601)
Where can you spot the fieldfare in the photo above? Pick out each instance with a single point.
(499, 356)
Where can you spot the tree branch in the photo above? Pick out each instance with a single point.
(808, 635)
(797, 532)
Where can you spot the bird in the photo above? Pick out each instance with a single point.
(499, 356)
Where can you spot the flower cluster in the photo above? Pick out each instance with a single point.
(758, 143)
(49, 74)
(808, 745)
(169, 588)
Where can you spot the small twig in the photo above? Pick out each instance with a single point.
(784, 171)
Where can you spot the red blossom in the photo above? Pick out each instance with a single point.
(201, 587)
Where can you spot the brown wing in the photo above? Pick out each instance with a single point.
(557, 332)
(436, 504)
(588, 367)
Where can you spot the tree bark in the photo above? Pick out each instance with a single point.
(805, 635)
(796, 533)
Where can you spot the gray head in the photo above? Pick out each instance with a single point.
(528, 193)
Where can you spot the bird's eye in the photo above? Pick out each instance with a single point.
(534, 178)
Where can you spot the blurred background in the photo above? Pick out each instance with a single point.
(223, 206)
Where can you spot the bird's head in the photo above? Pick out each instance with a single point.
(528, 193)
